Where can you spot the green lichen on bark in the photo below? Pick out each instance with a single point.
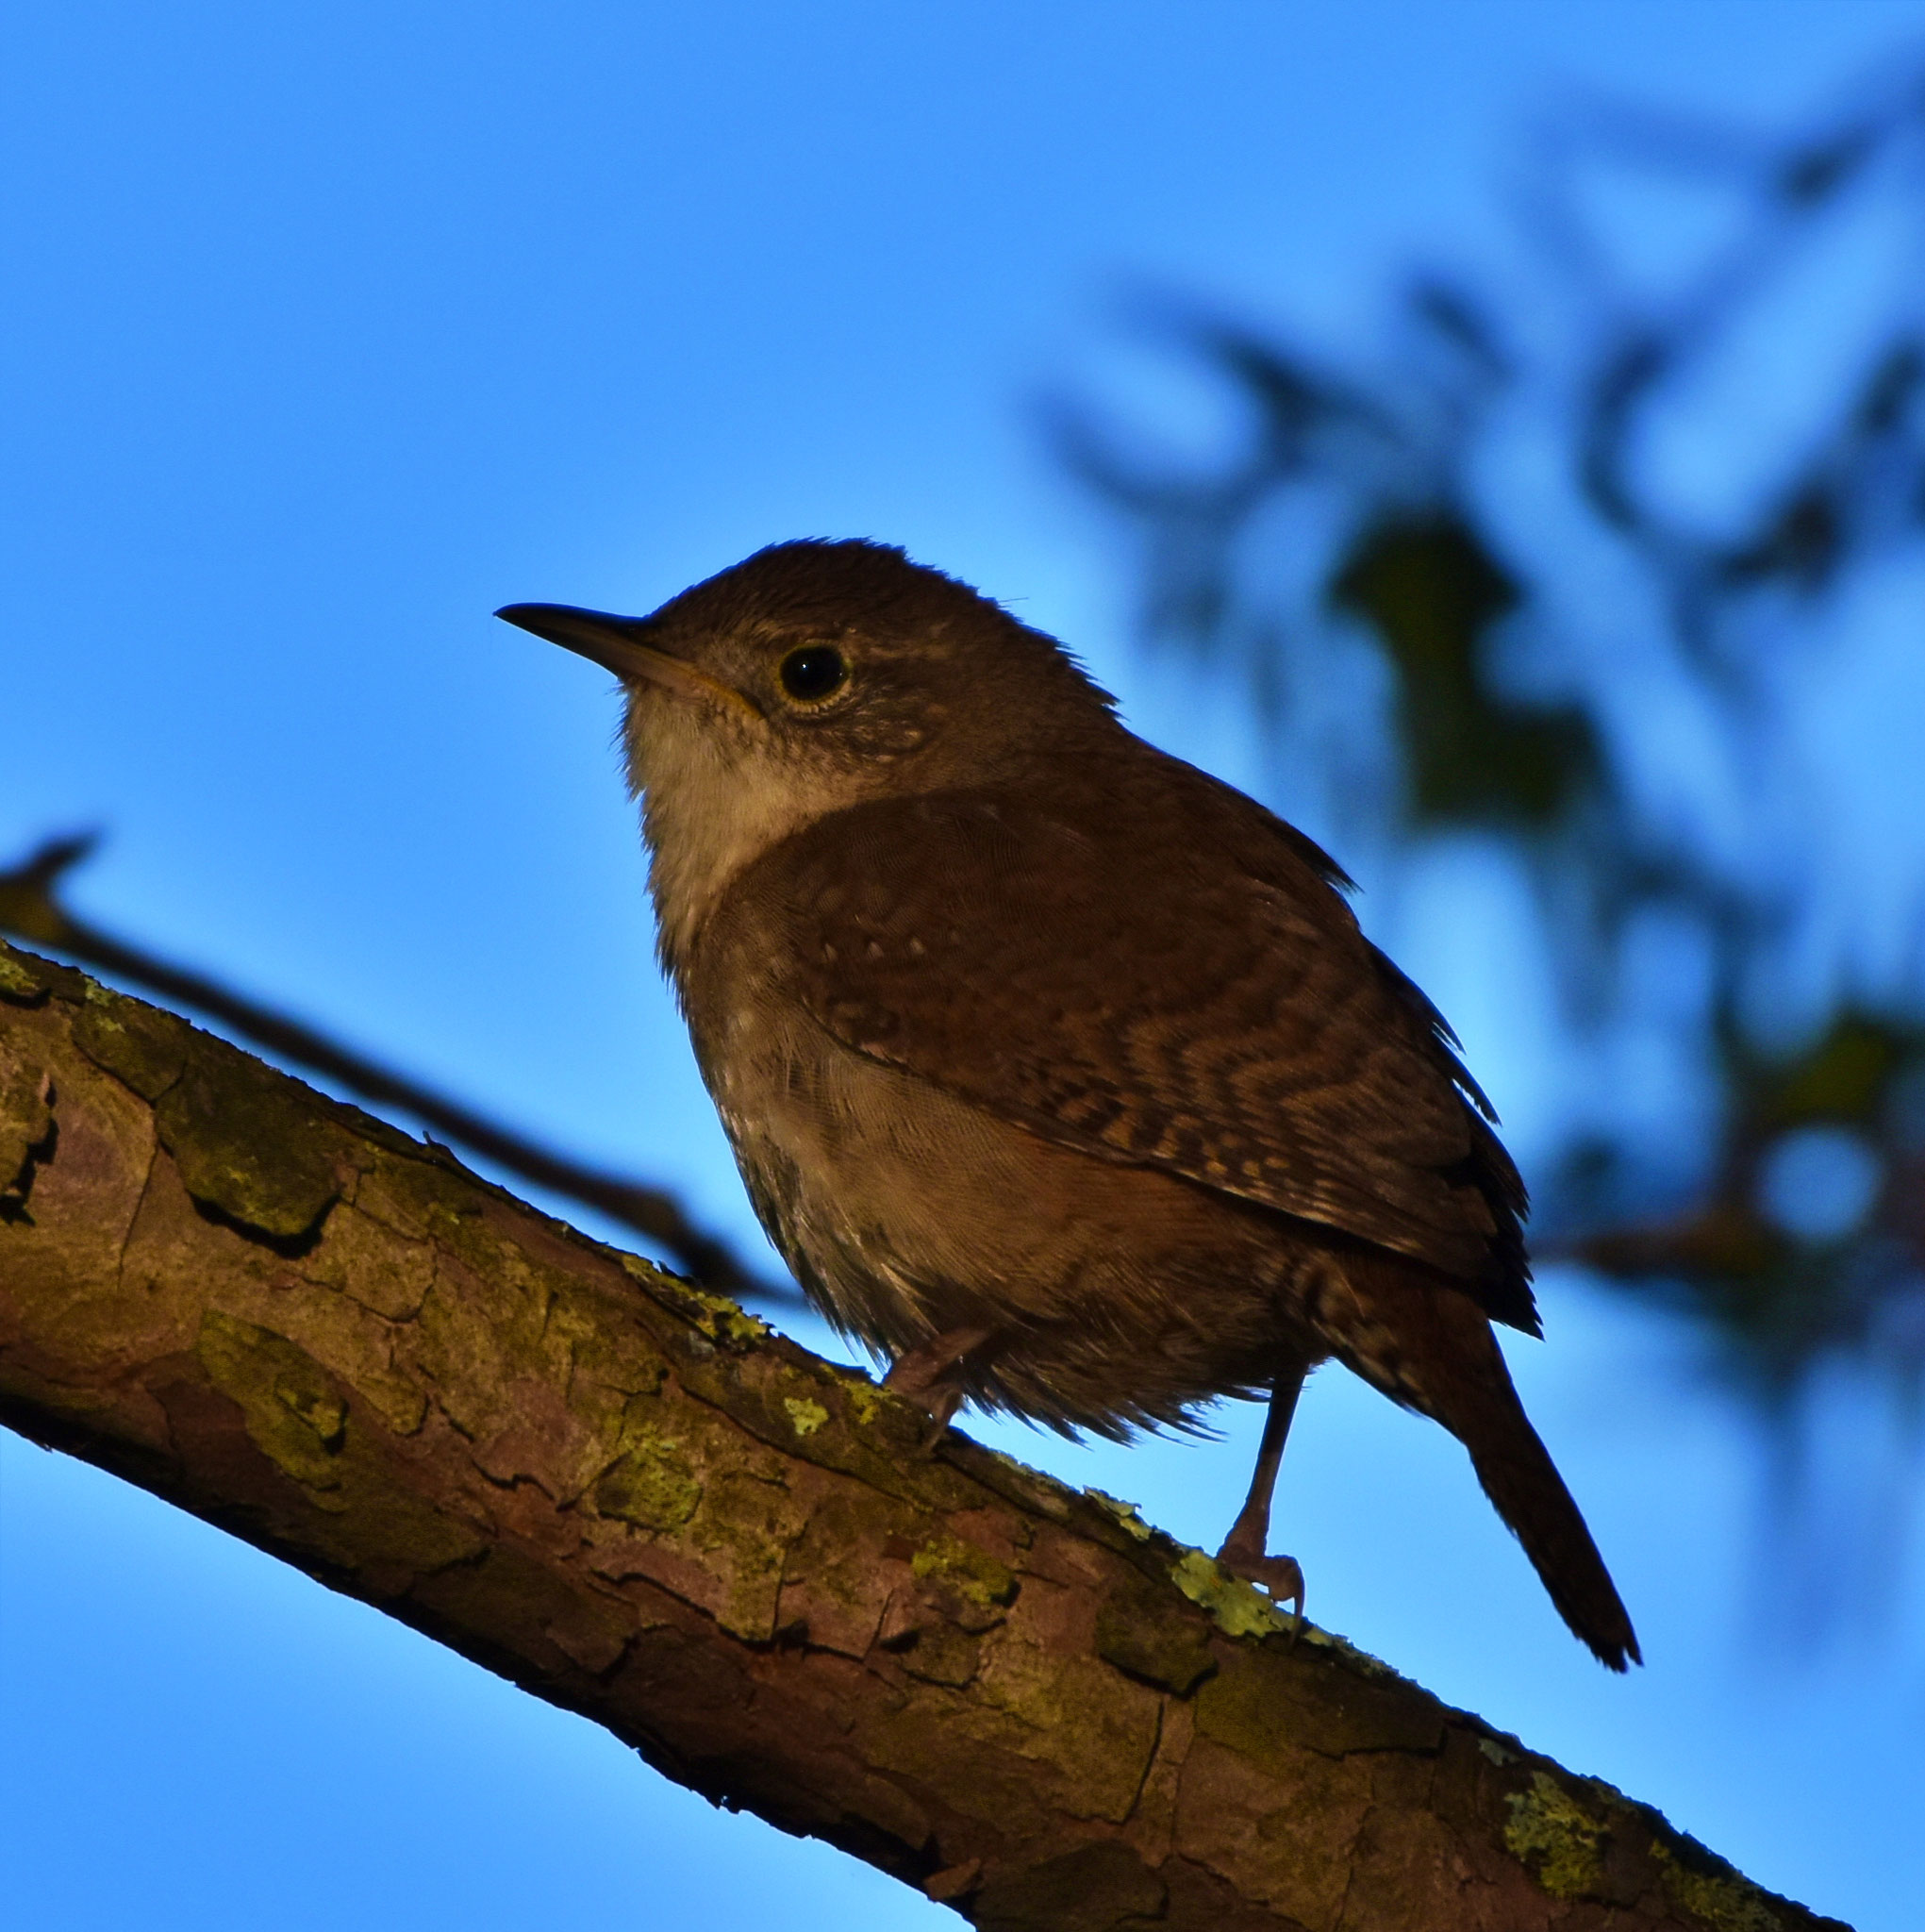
(296, 1416)
(300, 1417)
(1558, 1839)
(1127, 1514)
(861, 1401)
(19, 984)
(1706, 1886)
(143, 1048)
(982, 1583)
(746, 1522)
(720, 1318)
(650, 1486)
(249, 1143)
(1237, 1609)
(806, 1416)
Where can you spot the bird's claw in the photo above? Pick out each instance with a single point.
(928, 1376)
(1281, 1577)
(941, 1412)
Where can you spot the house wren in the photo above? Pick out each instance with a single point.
(1060, 1072)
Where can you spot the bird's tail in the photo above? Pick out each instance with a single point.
(1521, 1480)
(1446, 1362)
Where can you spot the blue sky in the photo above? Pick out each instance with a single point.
(324, 331)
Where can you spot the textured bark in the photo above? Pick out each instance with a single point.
(637, 1502)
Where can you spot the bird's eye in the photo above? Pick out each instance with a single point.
(812, 672)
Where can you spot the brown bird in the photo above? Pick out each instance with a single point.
(1059, 1072)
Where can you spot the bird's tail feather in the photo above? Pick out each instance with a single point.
(1431, 1348)
(1524, 1484)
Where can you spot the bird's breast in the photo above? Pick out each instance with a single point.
(908, 1211)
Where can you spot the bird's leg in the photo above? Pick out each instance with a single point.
(1245, 1551)
(930, 1374)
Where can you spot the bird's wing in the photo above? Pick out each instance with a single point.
(1194, 997)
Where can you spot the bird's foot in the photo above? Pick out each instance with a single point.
(1282, 1577)
(929, 1376)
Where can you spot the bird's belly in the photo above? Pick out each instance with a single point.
(1123, 1296)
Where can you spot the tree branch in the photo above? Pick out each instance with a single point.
(30, 908)
(635, 1501)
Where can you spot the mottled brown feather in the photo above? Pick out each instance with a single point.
(1239, 1032)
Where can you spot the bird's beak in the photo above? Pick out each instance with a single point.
(619, 644)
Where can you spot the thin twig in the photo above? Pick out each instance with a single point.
(30, 910)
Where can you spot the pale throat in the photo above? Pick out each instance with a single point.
(711, 805)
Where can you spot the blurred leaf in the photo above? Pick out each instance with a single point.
(1779, 1296)
(1431, 590)
(1848, 1074)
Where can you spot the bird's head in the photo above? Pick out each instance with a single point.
(810, 677)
